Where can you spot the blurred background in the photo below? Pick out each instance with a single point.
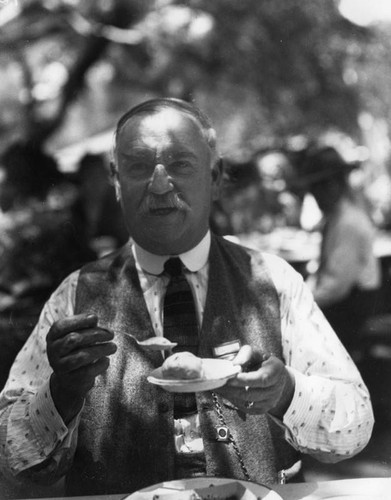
(275, 77)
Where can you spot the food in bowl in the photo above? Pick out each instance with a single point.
(182, 366)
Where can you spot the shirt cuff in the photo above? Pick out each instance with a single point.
(47, 422)
(302, 413)
(39, 431)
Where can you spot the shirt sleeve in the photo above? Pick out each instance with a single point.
(330, 416)
(342, 263)
(35, 441)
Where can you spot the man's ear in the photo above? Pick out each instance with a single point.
(115, 180)
(217, 176)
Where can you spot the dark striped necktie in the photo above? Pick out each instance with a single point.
(180, 325)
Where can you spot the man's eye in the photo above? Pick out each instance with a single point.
(180, 165)
(139, 168)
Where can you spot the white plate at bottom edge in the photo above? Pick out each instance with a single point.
(216, 374)
(261, 491)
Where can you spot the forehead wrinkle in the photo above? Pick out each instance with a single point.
(159, 137)
(147, 153)
(201, 122)
(137, 152)
(164, 134)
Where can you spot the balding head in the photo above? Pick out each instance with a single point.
(154, 106)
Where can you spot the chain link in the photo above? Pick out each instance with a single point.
(221, 418)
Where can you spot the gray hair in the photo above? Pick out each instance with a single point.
(152, 106)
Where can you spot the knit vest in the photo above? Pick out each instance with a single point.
(125, 439)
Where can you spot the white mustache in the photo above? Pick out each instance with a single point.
(170, 200)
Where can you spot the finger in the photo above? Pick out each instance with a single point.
(78, 340)
(259, 378)
(258, 406)
(91, 371)
(261, 398)
(256, 360)
(268, 375)
(67, 325)
(244, 393)
(249, 358)
(85, 357)
(83, 378)
(230, 392)
(243, 356)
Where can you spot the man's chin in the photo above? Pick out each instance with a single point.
(165, 240)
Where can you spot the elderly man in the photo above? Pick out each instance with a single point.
(78, 402)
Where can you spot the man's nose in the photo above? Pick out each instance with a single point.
(160, 181)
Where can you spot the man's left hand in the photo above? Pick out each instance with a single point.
(264, 385)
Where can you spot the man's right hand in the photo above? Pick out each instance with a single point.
(78, 351)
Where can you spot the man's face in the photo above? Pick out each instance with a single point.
(165, 181)
(327, 194)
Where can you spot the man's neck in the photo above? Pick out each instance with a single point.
(194, 259)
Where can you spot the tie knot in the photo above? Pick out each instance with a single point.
(173, 266)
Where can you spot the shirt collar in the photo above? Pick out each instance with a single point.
(193, 259)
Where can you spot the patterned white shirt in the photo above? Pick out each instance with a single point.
(330, 416)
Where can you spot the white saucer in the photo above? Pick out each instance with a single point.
(216, 374)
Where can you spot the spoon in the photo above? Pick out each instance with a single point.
(153, 343)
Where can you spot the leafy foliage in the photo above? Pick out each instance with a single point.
(272, 68)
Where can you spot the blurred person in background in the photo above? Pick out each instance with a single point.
(348, 276)
(92, 177)
(42, 239)
(276, 172)
(255, 196)
(105, 224)
(240, 196)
